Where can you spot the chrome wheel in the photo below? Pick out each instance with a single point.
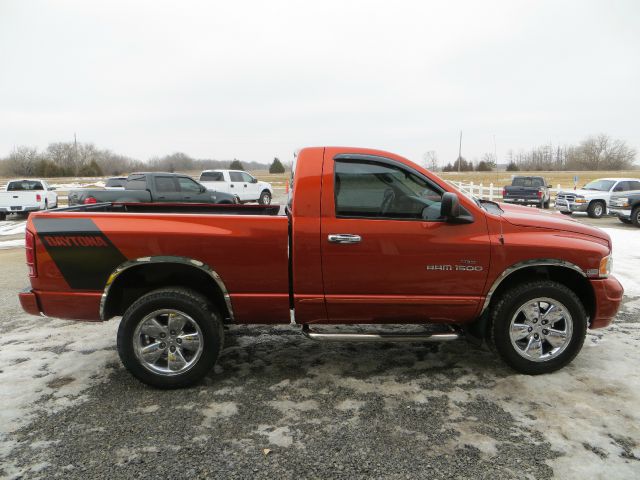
(598, 210)
(541, 329)
(168, 342)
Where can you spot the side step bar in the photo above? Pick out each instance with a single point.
(379, 336)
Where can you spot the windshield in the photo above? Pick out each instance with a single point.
(600, 185)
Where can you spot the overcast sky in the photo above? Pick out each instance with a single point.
(254, 80)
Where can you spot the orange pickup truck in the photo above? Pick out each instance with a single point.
(366, 237)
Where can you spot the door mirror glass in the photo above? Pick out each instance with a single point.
(450, 206)
(255, 180)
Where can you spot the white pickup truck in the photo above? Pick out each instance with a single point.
(594, 197)
(28, 195)
(236, 182)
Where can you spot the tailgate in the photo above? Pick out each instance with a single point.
(14, 201)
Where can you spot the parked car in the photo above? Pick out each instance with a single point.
(115, 183)
(627, 207)
(27, 195)
(152, 187)
(525, 190)
(594, 197)
(236, 182)
(368, 238)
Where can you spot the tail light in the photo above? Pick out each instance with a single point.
(30, 250)
(504, 192)
(539, 194)
(90, 200)
(38, 197)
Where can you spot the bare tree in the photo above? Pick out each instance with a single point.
(431, 160)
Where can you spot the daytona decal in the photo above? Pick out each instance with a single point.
(83, 254)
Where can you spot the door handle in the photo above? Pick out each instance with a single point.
(344, 238)
(232, 185)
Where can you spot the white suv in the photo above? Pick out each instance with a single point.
(236, 182)
(594, 197)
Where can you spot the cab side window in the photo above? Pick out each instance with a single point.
(188, 185)
(368, 189)
(165, 185)
(235, 176)
(246, 177)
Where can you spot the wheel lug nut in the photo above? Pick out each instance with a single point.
(530, 329)
(178, 340)
(163, 345)
(173, 349)
(162, 335)
(535, 336)
(173, 332)
(545, 331)
(535, 320)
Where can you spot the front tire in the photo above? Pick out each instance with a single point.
(170, 338)
(635, 216)
(265, 198)
(596, 209)
(625, 221)
(538, 327)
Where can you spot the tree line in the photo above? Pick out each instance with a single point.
(70, 159)
(596, 152)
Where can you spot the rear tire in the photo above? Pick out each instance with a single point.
(566, 213)
(538, 327)
(170, 338)
(3, 216)
(596, 209)
(635, 216)
(265, 198)
(546, 204)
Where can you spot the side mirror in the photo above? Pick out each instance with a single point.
(451, 210)
(52, 188)
(549, 186)
(203, 189)
(450, 206)
(255, 180)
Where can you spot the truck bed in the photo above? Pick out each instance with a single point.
(79, 248)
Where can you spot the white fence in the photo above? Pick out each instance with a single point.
(491, 191)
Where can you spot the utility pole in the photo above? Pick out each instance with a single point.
(460, 152)
(495, 156)
(75, 150)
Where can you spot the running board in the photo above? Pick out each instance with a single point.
(379, 336)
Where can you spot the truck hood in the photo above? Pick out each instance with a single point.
(536, 218)
(584, 193)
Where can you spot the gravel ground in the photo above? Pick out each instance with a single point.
(280, 406)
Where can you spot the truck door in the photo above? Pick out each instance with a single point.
(237, 186)
(166, 189)
(251, 187)
(387, 256)
(191, 191)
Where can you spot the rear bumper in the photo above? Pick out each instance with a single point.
(29, 302)
(83, 306)
(608, 296)
(21, 210)
(523, 201)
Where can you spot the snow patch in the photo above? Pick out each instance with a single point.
(626, 258)
(280, 436)
(217, 410)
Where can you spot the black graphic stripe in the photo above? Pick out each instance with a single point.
(83, 254)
